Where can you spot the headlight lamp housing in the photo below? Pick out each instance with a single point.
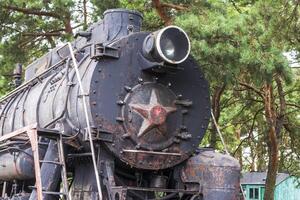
(170, 44)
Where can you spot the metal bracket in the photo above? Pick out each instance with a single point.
(100, 50)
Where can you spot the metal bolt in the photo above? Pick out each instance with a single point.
(120, 102)
(179, 96)
(128, 89)
(120, 119)
(140, 80)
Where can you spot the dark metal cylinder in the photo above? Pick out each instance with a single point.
(218, 175)
(18, 165)
(121, 22)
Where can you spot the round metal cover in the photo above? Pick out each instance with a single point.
(150, 115)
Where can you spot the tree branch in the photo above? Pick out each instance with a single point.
(32, 11)
(235, 6)
(176, 7)
(250, 131)
(293, 105)
(257, 91)
(42, 34)
(161, 11)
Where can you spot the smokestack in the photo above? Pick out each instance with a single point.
(121, 22)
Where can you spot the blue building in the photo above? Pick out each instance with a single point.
(253, 185)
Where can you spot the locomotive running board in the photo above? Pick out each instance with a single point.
(32, 132)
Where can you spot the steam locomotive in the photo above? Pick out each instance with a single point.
(129, 108)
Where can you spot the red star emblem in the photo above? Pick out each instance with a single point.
(153, 113)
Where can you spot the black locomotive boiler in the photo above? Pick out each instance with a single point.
(116, 115)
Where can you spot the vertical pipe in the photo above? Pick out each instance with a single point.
(87, 121)
(4, 189)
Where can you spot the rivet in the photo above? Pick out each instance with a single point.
(120, 119)
(127, 88)
(140, 80)
(121, 103)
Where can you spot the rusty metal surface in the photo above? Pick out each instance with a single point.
(218, 175)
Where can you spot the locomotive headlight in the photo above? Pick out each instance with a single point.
(170, 44)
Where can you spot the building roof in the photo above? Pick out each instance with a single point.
(259, 178)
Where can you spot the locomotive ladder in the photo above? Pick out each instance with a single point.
(32, 132)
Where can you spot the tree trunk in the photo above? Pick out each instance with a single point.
(67, 23)
(216, 98)
(239, 152)
(271, 142)
(84, 14)
(161, 11)
(261, 161)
